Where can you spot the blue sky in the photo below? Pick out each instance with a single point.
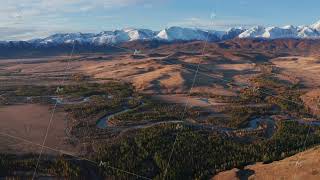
(25, 19)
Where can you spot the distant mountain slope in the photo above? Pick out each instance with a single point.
(276, 47)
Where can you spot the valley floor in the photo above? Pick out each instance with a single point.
(245, 107)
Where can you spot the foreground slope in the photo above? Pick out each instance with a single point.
(304, 165)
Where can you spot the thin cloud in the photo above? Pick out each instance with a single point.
(21, 18)
(217, 23)
(14, 33)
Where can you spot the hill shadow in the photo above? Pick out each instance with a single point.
(244, 174)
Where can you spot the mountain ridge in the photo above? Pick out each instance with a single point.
(176, 33)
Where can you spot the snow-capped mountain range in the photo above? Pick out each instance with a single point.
(182, 34)
(297, 32)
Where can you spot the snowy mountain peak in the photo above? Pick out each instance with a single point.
(179, 33)
(254, 32)
(139, 34)
(187, 34)
(316, 26)
(289, 27)
(231, 33)
(289, 31)
(66, 38)
(308, 32)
